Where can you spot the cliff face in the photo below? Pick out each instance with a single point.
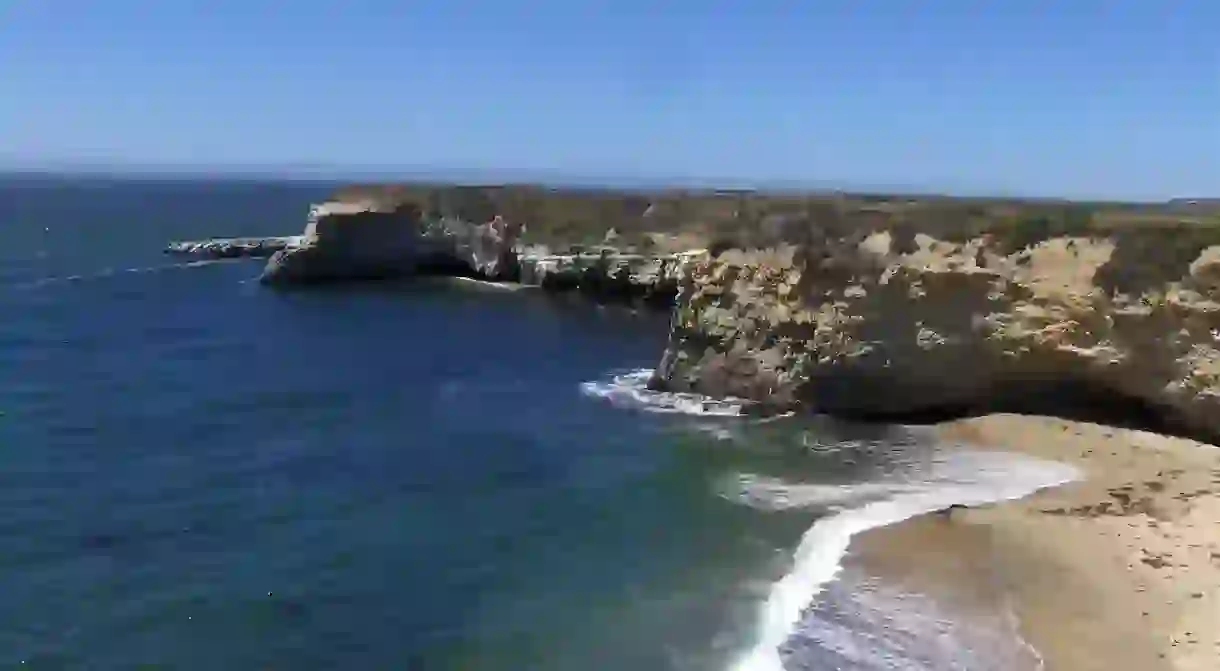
(370, 240)
(365, 240)
(850, 305)
(344, 240)
(876, 322)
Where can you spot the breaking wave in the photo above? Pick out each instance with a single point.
(967, 478)
(630, 390)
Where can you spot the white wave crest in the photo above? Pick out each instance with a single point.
(630, 390)
(487, 284)
(971, 478)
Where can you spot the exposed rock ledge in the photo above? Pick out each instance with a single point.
(853, 317)
(367, 240)
(885, 322)
(231, 248)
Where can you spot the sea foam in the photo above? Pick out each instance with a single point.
(967, 478)
(629, 390)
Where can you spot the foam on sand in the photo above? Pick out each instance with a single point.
(969, 478)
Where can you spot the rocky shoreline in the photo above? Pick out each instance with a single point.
(850, 314)
(871, 313)
(232, 248)
(361, 241)
(1121, 326)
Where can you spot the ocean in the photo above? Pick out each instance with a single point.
(199, 472)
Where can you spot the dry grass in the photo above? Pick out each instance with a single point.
(752, 218)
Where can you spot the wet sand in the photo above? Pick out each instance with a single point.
(1120, 571)
(950, 564)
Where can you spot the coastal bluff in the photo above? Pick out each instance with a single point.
(867, 306)
(371, 239)
(389, 235)
(893, 320)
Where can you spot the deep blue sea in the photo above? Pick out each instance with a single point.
(198, 472)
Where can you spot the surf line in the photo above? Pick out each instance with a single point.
(819, 554)
(630, 390)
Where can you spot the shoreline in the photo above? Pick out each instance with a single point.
(1119, 570)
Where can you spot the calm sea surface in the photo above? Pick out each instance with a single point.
(197, 472)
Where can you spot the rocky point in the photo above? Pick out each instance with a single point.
(890, 322)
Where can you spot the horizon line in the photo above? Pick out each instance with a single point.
(483, 176)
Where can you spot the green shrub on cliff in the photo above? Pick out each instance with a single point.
(1044, 223)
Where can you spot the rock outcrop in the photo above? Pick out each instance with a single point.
(885, 322)
(232, 248)
(344, 241)
(606, 273)
(347, 241)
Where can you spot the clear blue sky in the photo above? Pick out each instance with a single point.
(1115, 98)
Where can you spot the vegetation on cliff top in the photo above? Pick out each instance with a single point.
(675, 219)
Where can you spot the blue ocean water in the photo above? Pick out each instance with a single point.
(198, 472)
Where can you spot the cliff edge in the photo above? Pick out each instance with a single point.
(376, 239)
(888, 321)
(364, 240)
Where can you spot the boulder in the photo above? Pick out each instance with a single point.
(890, 323)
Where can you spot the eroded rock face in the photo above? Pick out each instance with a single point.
(607, 273)
(366, 240)
(490, 249)
(369, 240)
(351, 240)
(875, 322)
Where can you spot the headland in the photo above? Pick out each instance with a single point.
(1087, 333)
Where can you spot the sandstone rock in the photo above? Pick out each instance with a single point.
(491, 249)
(370, 240)
(351, 240)
(872, 322)
(606, 273)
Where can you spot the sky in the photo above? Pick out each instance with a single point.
(1080, 98)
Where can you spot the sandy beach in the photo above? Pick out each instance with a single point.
(1119, 571)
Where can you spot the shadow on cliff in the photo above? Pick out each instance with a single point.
(1065, 399)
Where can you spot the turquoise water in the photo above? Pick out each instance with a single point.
(197, 472)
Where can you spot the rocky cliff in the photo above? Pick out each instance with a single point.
(365, 240)
(861, 305)
(373, 240)
(884, 321)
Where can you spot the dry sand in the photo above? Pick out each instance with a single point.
(1120, 571)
